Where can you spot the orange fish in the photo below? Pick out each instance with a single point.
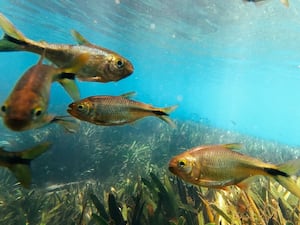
(19, 162)
(116, 110)
(26, 106)
(217, 166)
(101, 65)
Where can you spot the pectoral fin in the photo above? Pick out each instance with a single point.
(68, 123)
(71, 87)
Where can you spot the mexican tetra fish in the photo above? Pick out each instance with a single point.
(217, 166)
(101, 64)
(26, 106)
(116, 110)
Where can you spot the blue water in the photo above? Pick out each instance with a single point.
(229, 64)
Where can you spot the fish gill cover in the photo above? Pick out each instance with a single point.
(232, 68)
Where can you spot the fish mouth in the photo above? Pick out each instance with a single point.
(130, 69)
(70, 108)
(172, 169)
(172, 166)
(17, 124)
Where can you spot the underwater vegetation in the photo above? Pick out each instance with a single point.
(119, 175)
(166, 201)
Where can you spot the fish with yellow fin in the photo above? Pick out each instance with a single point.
(100, 65)
(284, 2)
(19, 162)
(26, 106)
(218, 166)
(116, 110)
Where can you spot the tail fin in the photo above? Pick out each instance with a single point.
(289, 184)
(283, 176)
(163, 114)
(13, 39)
(19, 162)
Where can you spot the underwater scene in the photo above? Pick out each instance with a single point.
(128, 112)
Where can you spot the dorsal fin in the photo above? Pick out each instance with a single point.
(128, 94)
(79, 38)
(231, 146)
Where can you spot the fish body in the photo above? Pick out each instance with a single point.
(217, 166)
(26, 106)
(19, 162)
(284, 2)
(100, 65)
(116, 110)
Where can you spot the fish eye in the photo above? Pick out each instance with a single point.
(37, 112)
(3, 108)
(181, 163)
(120, 63)
(80, 107)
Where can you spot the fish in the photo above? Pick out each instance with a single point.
(19, 162)
(26, 106)
(218, 166)
(284, 2)
(116, 110)
(101, 65)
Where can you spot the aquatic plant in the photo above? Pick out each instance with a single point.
(125, 169)
(166, 200)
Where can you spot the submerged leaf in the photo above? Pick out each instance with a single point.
(221, 213)
(182, 191)
(167, 198)
(99, 206)
(114, 210)
(99, 219)
(138, 210)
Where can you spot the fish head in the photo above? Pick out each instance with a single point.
(117, 68)
(183, 166)
(80, 109)
(23, 113)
